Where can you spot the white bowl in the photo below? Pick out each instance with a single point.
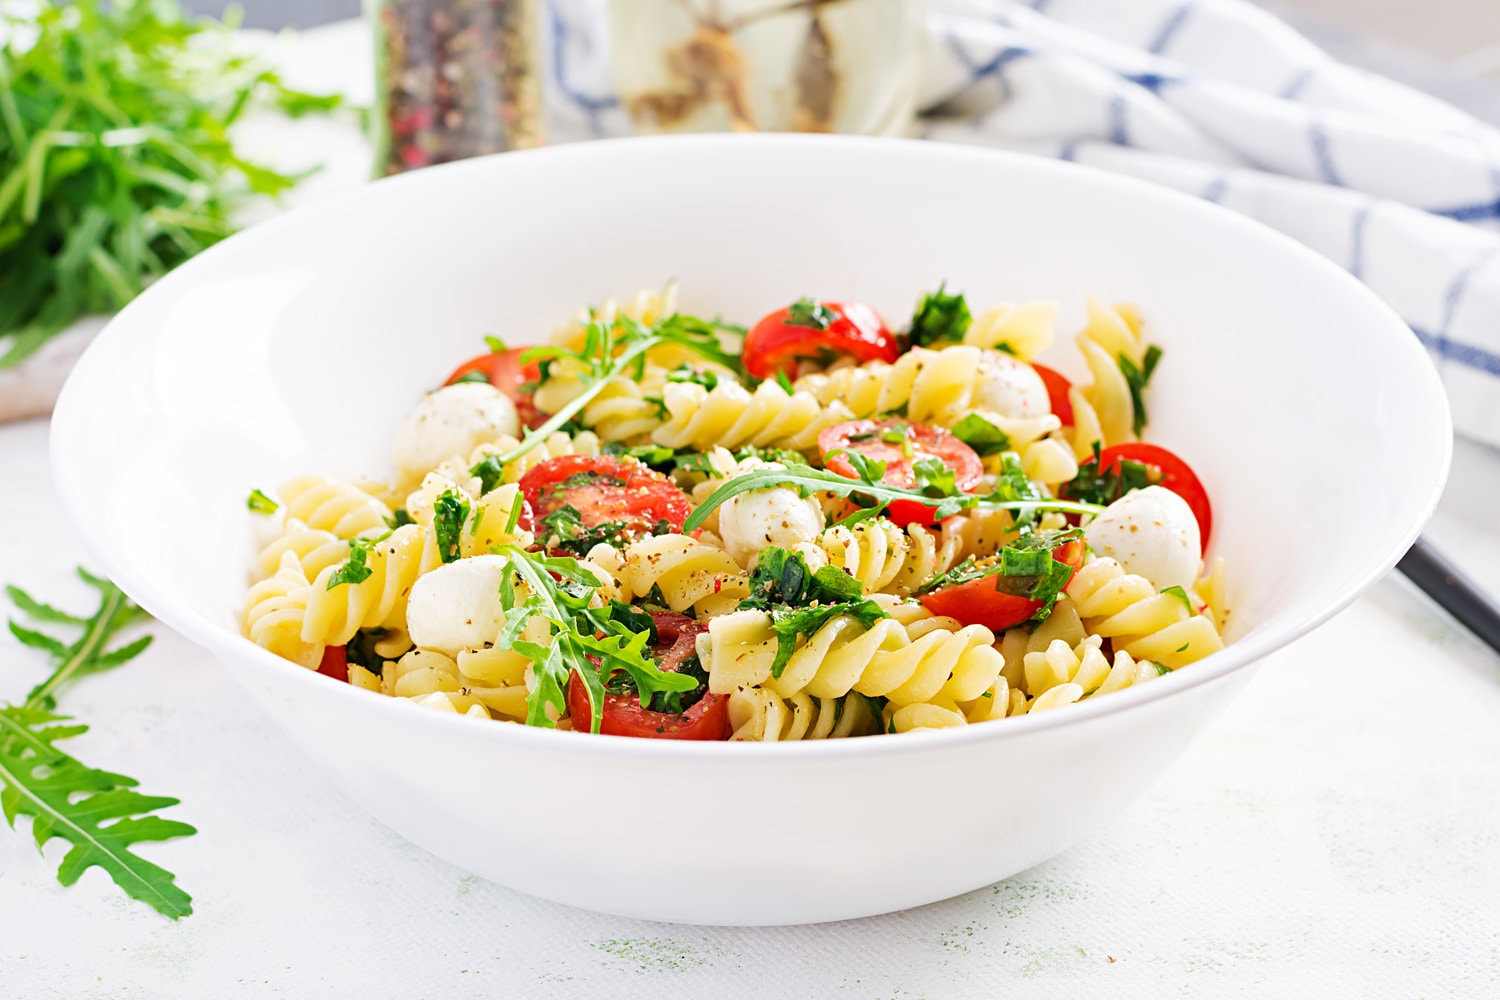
(1310, 411)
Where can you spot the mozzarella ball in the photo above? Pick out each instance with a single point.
(457, 606)
(753, 521)
(453, 420)
(1009, 387)
(1151, 533)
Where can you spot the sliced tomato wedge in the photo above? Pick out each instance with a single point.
(335, 663)
(505, 371)
(605, 489)
(1163, 468)
(821, 332)
(624, 715)
(986, 601)
(1057, 393)
(900, 445)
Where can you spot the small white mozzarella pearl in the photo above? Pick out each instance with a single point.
(457, 606)
(750, 522)
(453, 420)
(1009, 387)
(1151, 533)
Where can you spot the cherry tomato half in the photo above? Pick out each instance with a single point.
(817, 331)
(335, 663)
(900, 445)
(1057, 393)
(984, 602)
(1163, 468)
(624, 715)
(603, 489)
(504, 371)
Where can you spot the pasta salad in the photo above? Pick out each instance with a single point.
(664, 526)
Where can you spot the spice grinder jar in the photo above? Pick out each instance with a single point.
(454, 79)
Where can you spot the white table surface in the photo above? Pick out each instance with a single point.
(1335, 833)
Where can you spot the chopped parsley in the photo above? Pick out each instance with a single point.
(357, 568)
(984, 437)
(399, 518)
(1138, 379)
(449, 512)
(940, 319)
(261, 504)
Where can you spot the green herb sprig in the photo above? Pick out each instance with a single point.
(98, 812)
(593, 642)
(940, 319)
(807, 481)
(116, 162)
(800, 600)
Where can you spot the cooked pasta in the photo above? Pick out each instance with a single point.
(691, 545)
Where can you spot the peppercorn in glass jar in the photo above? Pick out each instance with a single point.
(455, 78)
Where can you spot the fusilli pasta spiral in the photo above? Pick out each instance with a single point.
(274, 610)
(757, 714)
(1127, 610)
(691, 574)
(378, 601)
(329, 505)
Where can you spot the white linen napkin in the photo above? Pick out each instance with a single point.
(1216, 98)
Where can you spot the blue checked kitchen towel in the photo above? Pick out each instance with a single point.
(1219, 99)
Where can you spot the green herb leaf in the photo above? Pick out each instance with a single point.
(813, 315)
(783, 380)
(117, 160)
(399, 518)
(449, 512)
(687, 373)
(356, 569)
(472, 376)
(790, 624)
(1139, 379)
(869, 470)
(1181, 595)
(1104, 488)
(984, 437)
(1026, 567)
(99, 813)
(259, 503)
(940, 319)
(495, 344)
(934, 478)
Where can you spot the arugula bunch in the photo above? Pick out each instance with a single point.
(98, 812)
(800, 600)
(116, 162)
(594, 642)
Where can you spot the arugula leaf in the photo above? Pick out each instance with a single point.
(591, 642)
(449, 512)
(1013, 486)
(940, 319)
(782, 456)
(984, 437)
(610, 351)
(259, 503)
(658, 457)
(783, 380)
(564, 529)
(869, 470)
(117, 157)
(808, 481)
(813, 315)
(934, 478)
(495, 344)
(472, 376)
(98, 812)
(1138, 379)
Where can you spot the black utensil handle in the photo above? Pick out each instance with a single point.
(1456, 593)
